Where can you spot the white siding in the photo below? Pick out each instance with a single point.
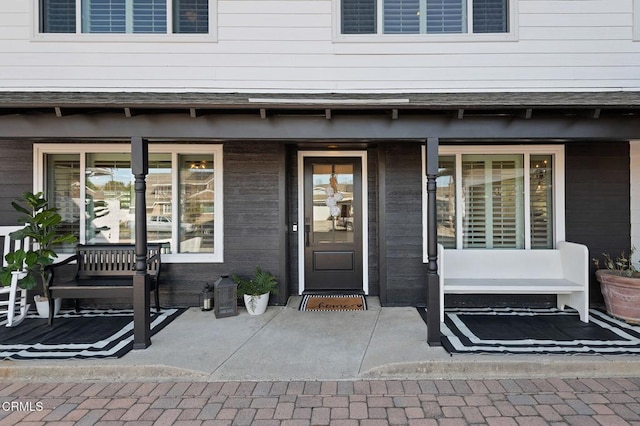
(288, 45)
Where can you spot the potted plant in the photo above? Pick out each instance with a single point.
(41, 227)
(620, 286)
(256, 290)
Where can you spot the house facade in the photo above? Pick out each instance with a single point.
(291, 135)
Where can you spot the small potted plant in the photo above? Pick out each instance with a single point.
(41, 226)
(620, 286)
(256, 290)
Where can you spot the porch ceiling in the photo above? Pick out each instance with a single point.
(525, 105)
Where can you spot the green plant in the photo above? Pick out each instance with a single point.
(41, 226)
(262, 282)
(622, 264)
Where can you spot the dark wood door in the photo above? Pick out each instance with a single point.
(333, 223)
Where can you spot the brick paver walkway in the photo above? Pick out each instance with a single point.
(610, 402)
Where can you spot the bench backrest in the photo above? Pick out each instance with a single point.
(507, 263)
(108, 260)
(9, 245)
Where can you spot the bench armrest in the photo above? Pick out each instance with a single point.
(51, 269)
(154, 272)
(62, 262)
(575, 262)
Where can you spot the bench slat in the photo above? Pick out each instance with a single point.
(510, 286)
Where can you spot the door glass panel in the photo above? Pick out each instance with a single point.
(333, 218)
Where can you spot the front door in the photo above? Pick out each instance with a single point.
(333, 224)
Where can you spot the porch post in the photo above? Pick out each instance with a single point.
(433, 281)
(141, 303)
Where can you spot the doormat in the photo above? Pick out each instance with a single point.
(86, 334)
(333, 302)
(536, 331)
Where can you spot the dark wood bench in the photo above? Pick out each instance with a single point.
(104, 271)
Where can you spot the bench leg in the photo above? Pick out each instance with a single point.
(577, 301)
(157, 297)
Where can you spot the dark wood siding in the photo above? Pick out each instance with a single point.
(597, 200)
(16, 176)
(404, 280)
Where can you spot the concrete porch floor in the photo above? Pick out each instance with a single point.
(285, 344)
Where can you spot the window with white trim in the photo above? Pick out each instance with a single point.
(93, 188)
(424, 16)
(124, 16)
(499, 197)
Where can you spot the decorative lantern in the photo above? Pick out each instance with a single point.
(225, 293)
(206, 298)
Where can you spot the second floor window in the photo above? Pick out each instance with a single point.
(424, 16)
(125, 16)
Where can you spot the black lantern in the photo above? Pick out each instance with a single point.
(206, 298)
(225, 294)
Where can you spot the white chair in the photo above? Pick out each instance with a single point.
(13, 299)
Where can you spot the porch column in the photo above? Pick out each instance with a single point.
(141, 302)
(433, 281)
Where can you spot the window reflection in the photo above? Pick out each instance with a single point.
(333, 219)
(196, 180)
(108, 207)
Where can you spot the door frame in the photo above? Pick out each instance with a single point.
(365, 214)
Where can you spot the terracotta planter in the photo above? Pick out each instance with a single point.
(621, 295)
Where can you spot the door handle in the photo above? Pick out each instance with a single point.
(307, 231)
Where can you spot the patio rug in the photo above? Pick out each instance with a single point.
(536, 331)
(333, 302)
(86, 334)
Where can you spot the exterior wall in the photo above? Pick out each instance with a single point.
(404, 270)
(281, 45)
(634, 150)
(15, 176)
(251, 226)
(597, 200)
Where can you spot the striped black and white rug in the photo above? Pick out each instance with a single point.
(537, 331)
(86, 334)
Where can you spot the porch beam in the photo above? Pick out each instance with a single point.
(433, 280)
(356, 127)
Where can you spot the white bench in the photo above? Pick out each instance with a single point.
(563, 271)
(13, 300)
